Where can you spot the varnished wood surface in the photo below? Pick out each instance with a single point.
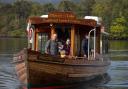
(73, 40)
(62, 17)
(37, 70)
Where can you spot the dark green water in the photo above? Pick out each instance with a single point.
(9, 46)
(118, 50)
(12, 45)
(119, 45)
(118, 53)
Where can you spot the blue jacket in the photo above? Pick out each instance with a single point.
(52, 47)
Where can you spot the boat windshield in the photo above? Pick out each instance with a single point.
(42, 39)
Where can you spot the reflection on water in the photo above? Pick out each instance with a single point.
(119, 74)
(117, 70)
(118, 50)
(12, 45)
(119, 45)
(9, 46)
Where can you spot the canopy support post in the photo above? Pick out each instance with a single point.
(52, 29)
(73, 40)
(37, 41)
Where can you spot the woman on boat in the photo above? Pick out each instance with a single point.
(67, 47)
(52, 45)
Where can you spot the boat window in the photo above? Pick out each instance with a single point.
(63, 32)
(42, 39)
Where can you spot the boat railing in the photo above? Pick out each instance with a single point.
(93, 30)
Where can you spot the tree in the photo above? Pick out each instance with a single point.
(48, 7)
(86, 6)
(22, 8)
(66, 5)
(36, 9)
(103, 8)
(118, 28)
(114, 13)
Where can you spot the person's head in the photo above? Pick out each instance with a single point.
(54, 37)
(86, 36)
(68, 41)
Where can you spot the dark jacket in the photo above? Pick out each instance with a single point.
(52, 47)
(67, 49)
(85, 46)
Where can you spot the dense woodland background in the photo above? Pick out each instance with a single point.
(114, 13)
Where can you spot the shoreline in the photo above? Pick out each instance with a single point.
(117, 38)
(13, 36)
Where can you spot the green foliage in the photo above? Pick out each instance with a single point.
(119, 28)
(113, 12)
(36, 9)
(18, 32)
(87, 6)
(49, 7)
(66, 5)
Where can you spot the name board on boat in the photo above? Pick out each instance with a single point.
(61, 15)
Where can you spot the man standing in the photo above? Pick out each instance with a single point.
(85, 46)
(52, 45)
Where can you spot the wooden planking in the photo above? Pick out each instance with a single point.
(23, 78)
(85, 22)
(64, 69)
(40, 72)
(20, 66)
(21, 72)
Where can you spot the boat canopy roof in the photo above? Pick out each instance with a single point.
(61, 18)
(97, 19)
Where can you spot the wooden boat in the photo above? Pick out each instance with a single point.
(36, 69)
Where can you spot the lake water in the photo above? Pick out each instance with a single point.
(9, 46)
(118, 70)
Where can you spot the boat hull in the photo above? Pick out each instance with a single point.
(54, 73)
(39, 73)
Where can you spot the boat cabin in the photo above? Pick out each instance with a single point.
(67, 26)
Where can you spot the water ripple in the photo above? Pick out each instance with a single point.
(8, 79)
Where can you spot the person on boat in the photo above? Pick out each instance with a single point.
(60, 46)
(85, 46)
(52, 45)
(67, 47)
